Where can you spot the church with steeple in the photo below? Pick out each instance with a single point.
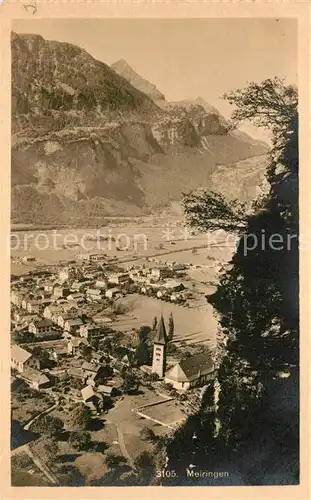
(159, 349)
(193, 371)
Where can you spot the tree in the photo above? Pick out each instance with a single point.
(154, 377)
(269, 104)
(94, 343)
(171, 327)
(130, 383)
(40, 353)
(107, 403)
(47, 424)
(80, 440)
(87, 352)
(115, 461)
(71, 476)
(142, 354)
(79, 417)
(145, 468)
(257, 303)
(50, 451)
(154, 324)
(143, 333)
(147, 434)
(210, 211)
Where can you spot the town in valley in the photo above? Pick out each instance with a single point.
(123, 345)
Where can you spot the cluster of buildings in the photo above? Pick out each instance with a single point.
(164, 282)
(63, 310)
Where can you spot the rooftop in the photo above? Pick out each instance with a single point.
(160, 336)
(92, 367)
(43, 323)
(192, 367)
(20, 354)
(87, 392)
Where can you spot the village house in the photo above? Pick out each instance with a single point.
(60, 291)
(28, 258)
(101, 283)
(156, 273)
(87, 394)
(112, 292)
(51, 311)
(91, 398)
(174, 285)
(33, 306)
(90, 368)
(94, 294)
(42, 328)
(76, 285)
(191, 372)
(98, 357)
(23, 318)
(66, 274)
(73, 325)
(58, 352)
(118, 278)
(16, 298)
(95, 257)
(76, 297)
(74, 345)
(144, 280)
(64, 316)
(24, 302)
(20, 358)
(82, 256)
(26, 279)
(107, 390)
(177, 297)
(56, 375)
(35, 379)
(89, 331)
(43, 302)
(76, 372)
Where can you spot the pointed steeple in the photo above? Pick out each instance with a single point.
(160, 336)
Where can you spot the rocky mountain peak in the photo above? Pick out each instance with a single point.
(122, 68)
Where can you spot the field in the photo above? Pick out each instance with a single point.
(141, 241)
(191, 325)
(166, 412)
(118, 433)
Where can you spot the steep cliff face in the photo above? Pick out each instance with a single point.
(244, 180)
(86, 143)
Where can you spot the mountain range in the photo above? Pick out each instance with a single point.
(89, 140)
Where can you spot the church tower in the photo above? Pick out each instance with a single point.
(159, 349)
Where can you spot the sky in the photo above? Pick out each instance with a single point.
(186, 58)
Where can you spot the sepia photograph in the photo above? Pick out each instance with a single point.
(154, 257)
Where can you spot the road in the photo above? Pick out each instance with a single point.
(45, 412)
(37, 461)
(124, 451)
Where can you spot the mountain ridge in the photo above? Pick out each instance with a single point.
(86, 143)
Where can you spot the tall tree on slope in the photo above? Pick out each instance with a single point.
(257, 299)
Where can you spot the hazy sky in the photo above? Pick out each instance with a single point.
(185, 58)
